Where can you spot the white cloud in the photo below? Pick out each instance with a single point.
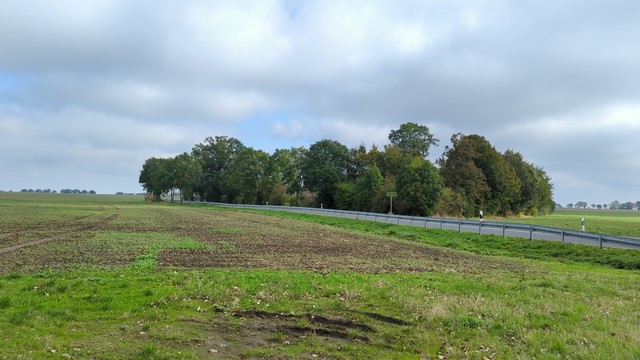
(107, 78)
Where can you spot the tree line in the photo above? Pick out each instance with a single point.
(471, 175)
(614, 205)
(63, 191)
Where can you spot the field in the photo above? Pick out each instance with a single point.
(112, 277)
(613, 222)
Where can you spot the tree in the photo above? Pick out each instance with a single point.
(535, 187)
(451, 203)
(246, 177)
(614, 205)
(187, 171)
(216, 155)
(413, 139)
(419, 187)
(344, 195)
(154, 177)
(392, 160)
(460, 172)
(324, 168)
(285, 169)
(366, 188)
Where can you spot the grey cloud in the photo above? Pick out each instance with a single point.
(523, 74)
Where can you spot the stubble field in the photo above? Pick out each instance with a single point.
(112, 277)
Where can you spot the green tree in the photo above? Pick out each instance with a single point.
(246, 177)
(187, 172)
(155, 177)
(451, 203)
(216, 155)
(413, 139)
(380, 202)
(285, 169)
(324, 168)
(344, 195)
(392, 160)
(419, 187)
(460, 173)
(366, 188)
(476, 170)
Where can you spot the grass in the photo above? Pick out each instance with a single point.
(613, 222)
(552, 301)
(554, 314)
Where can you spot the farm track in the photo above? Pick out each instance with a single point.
(62, 229)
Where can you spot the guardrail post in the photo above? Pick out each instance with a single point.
(563, 236)
(460, 226)
(411, 222)
(530, 232)
(600, 241)
(504, 230)
(480, 227)
(441, 225)
(398, 220)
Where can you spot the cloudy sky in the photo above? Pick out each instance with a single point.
(90, 89)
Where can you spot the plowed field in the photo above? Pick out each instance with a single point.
(185, 237)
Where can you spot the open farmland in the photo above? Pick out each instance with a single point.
(613, 222)
(112, 277)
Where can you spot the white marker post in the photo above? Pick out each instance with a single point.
(582, 224)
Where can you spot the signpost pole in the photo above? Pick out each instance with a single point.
(391, 194)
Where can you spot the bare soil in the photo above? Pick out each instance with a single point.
(230, 240)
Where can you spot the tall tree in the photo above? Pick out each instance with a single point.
(474, 168)
(366, 188)
(155, 177)
(419, 187)
(535, 187)
(324, 168)
(285, 168)
(187, 173)
(460, 173)
(216, 155)
(413, 139)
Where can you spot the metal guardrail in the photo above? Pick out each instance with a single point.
(532, 232)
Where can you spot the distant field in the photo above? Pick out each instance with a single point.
(112, 277)
(613, 222)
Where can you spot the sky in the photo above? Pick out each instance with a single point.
(91, 89)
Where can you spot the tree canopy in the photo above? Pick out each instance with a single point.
(471, 175)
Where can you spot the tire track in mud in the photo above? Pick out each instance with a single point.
(71, 229)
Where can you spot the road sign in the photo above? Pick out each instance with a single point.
(392, 193)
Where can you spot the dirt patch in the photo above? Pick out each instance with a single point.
(226, 338)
